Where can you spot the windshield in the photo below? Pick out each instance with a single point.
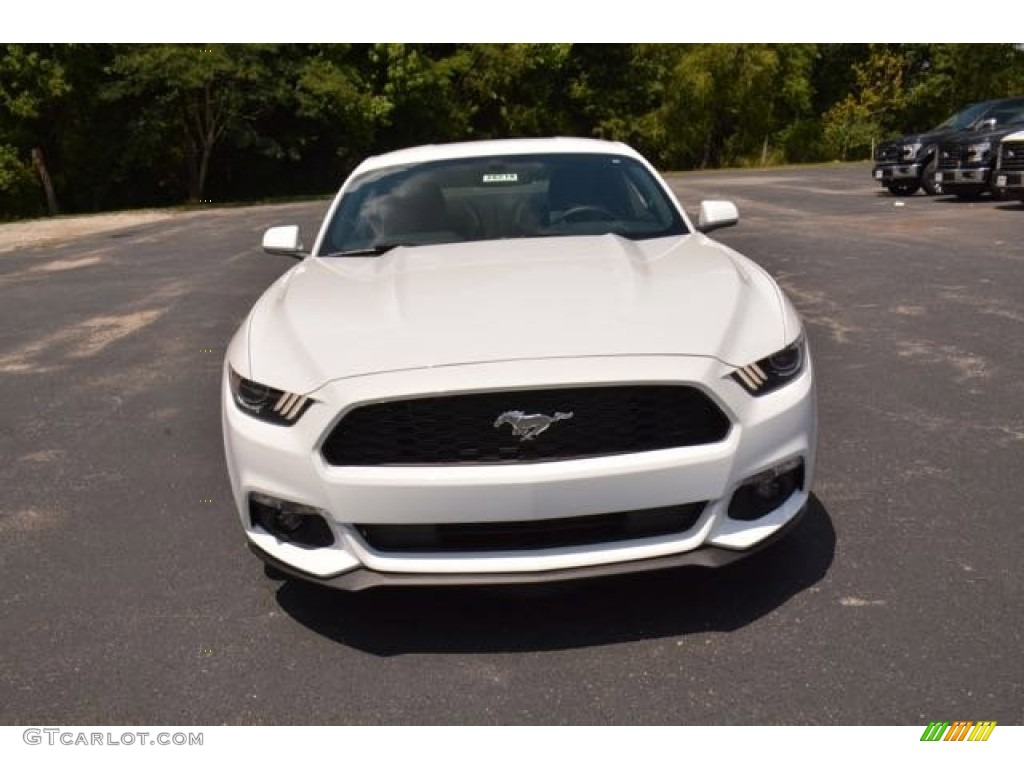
(1011, 112)
(963, 119)
(490, 198)
(1000, 111)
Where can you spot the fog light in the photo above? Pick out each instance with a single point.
(767, 491)
(290, 521)
(773, 488)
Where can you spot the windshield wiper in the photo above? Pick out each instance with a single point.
(373, 250)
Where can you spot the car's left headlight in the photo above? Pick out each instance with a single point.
(266, 403)
(774, 371)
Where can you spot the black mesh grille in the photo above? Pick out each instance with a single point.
(952, 155)
(460, 429)
(1013, 156)
(887, 153)
(533, 534)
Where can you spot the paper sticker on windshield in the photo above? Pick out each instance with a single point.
(501, 178)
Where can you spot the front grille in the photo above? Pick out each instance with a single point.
(532, 534)
(887, 153)
(951, 155)
(480, 428)
(1012, 157)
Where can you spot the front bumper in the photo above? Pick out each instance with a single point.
(890, 173)
(285, 462)
(1010, 182)
(974, 177)
(363, 578)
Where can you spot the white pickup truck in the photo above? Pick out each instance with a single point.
(1010, 166)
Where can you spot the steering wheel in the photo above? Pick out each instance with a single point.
(587, 213)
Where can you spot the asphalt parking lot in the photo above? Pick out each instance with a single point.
(129, 598)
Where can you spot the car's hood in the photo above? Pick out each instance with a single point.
(929, 137)
(511, 300)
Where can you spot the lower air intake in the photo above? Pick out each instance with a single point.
(533, 534)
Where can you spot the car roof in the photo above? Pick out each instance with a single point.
(491, 148)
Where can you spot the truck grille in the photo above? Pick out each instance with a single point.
(952, 155)
(533, 534)
(1012, 158)
(887, 153)
(480, 428)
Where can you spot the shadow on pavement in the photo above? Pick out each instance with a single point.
(389, 622)
(954, 200)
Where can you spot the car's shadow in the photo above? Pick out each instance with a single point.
(1000, 205)
(390, 621)
(954, 200)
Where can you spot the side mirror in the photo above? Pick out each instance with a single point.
(715, 214)
(283, 241)
(987, 124)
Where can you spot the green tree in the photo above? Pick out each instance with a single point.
(945, 77)
(723, 103)
(412, 89)
(123, 125)
(612, 86)
(852, 124)
(32, 84)
(193, 96)
(520, 89)
(335, 99)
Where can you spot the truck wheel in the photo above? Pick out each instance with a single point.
(904, 188)
(928, 182)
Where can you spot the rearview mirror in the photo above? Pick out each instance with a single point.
(715, 214)
(986, 125)
(283, 241)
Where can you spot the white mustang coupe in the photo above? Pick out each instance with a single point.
(515, 361)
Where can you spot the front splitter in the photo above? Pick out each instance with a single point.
(365, 578)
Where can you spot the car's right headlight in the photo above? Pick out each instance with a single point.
(266, 403)
(774, 371)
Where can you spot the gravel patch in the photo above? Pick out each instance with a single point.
(23, 234)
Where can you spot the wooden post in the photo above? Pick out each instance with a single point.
(44, 176)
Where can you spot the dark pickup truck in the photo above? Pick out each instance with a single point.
(967, 160)
(910, 162)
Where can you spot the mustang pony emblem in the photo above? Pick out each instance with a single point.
(527, 427)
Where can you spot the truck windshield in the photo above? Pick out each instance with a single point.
(964, 118)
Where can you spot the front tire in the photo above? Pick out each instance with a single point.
(928, 182)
